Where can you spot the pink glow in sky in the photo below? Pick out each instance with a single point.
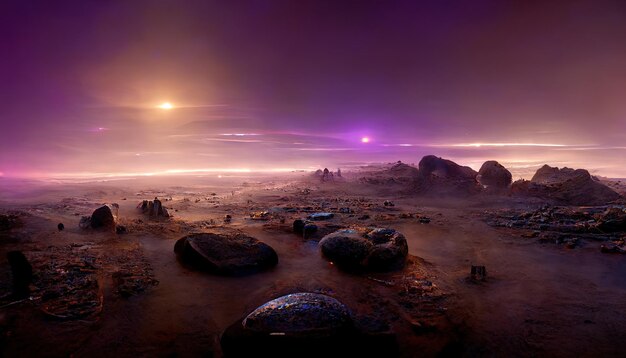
(299, 84)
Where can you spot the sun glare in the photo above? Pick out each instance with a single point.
(166, 106)
(365, 140)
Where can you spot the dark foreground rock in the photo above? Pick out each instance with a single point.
(303, 325)
(8, 222)
(104, 217)
(22, 273)
(300, 314)
(366, 249)
(225, 254)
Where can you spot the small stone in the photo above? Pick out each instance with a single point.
(120, 229)
(60, 226)
(321, 216)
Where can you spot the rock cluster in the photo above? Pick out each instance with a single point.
(365, 249)
(154, 208)
(565, 186)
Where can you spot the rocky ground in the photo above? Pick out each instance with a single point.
(122, 290)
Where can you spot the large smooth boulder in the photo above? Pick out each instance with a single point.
(494, 175)
(300, 314)
(303, 325)
(366, 249)
(225, 254)
(442, 176)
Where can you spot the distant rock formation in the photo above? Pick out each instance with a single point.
(494, 175)
(398, 173)
(566, 186)
(442, 176)
(154, 208)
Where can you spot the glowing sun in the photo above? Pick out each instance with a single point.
(365, 140)
(166, 106)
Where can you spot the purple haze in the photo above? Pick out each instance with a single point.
(303, 81)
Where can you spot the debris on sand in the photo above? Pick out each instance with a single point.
(599, 220)
(60, 227)
(68, 284)
(154, 208)
(261, 215)
(227, 254)
(366, 249)
(612, 249)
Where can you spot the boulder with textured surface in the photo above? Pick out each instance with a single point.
(303, 325)
(299, 314)
(225, 254)
(104, 217)
(567, 186)
(494, 175)
(366, 249)
(442, 176)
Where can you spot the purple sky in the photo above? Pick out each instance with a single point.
(306, 80)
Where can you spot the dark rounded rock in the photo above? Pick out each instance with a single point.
(22, 273)
(299, 314)
(438, 176)
(303, 325)
(104, 216)
(366, 249)
(309, 230)
(225, 254)
(494, 175)
(60, 226)
(298, 226)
